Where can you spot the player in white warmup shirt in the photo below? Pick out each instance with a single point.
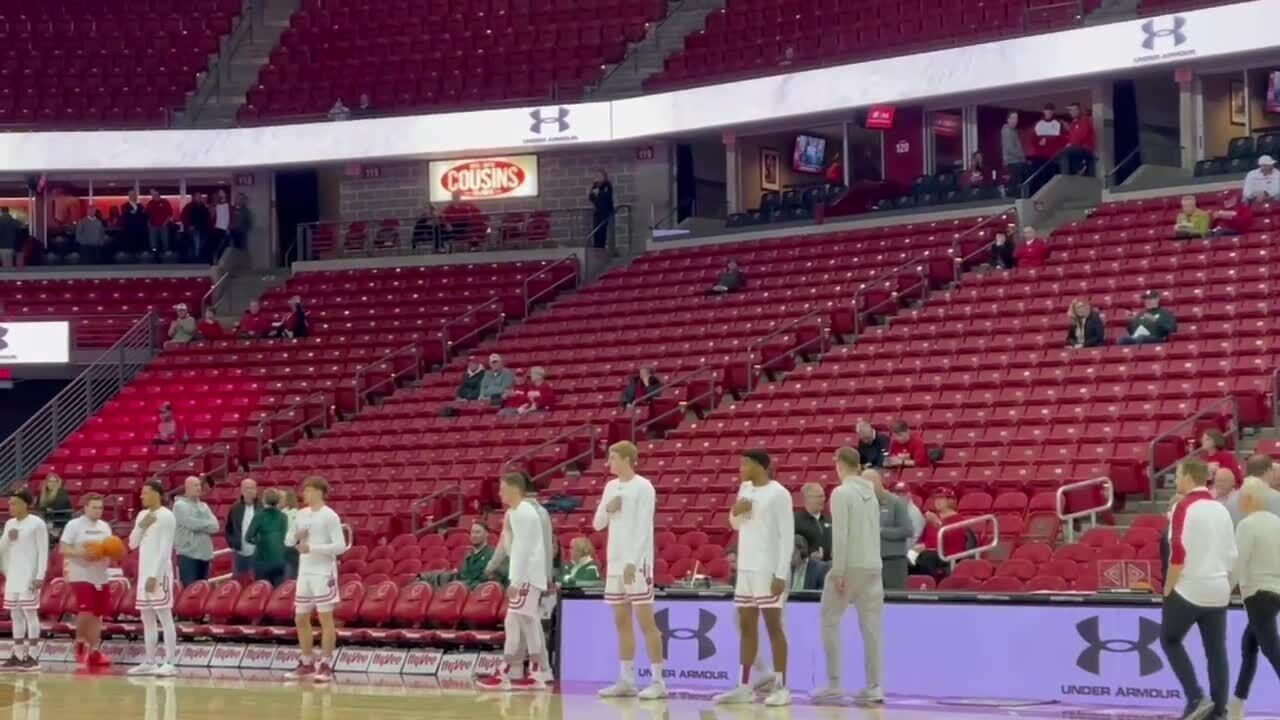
(152, 537)
(626, 510)
(25, 548)
(763, 517)
(88, 578)
(317, 534)
(527, 578)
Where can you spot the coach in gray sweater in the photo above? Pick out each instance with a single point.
(193, 537)
(895, 532)
(1263, 468)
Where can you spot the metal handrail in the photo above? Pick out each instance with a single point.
(680, 408)
(33, 441)
(1219, 406)
(214, 296)
(1076, 5)
(920, 268)
(824, 331)
(1060, 504)
(216, 77)
(218, 447)
(435, 522)
(448, 345)
(264, 425)
(412, 349)
(1134, 154)
(591, 433)
(530, 299)
(956, 243)
(1024, 188)
(632, 57)
(966, 524)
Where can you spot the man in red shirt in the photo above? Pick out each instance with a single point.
(534, 395)
(1082, 142)
(928, 554)
(1214, 452)
(905, 448)
(159, 211)
(1235, 217)
(1033, 251)
(254, 323)
(209, 328)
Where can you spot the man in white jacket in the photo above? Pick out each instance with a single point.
(855, 578)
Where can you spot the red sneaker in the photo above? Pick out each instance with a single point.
(324, 673)
(98, 660)
(82, 653)
(302, 672)
(528, 683)
(495, 683)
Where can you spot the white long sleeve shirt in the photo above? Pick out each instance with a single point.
(1257, 566)
(528, 554)
(1259, 187)
(26, 559)
(322, 531)
(855, 527)
(154, 544)
(1203, 541)
(631, 527)
(766, 533)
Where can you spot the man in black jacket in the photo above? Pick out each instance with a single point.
(237, 527)
(872, 446)
(601, 197)
(813, 523)
(1153, 325)
(470, 387)
(134, 223)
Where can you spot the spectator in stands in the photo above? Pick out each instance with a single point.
(730, 280)
(895, 532)
(462, 221)
(198, 221)
(1214, 452)
(906, 449)
(193, 538)
(642, 383)
(365, 108)
(731, 559)
(241, 222)
(872, 446)
(339, 111)
(159, 213)
(1224, 484)
(426, 231)
(601, 197)
(1153, 325)
(497, 381)
(583, 572)
(807, 571)
(168, 430)
(471, 379)
(835, 172)
(209, 328)
(471, 570)
(11, 235)
(901, 491)
(266, 534)
(1235, 217)
(236, 529)
(1033, 251)
(183, 328)
(1011, 150)
(812, 522)
(1082, 142)
(1048, 130)
(1084, 326)
(254, 323)
(54, 504)
(928, 559)
(1192, 222)
(293, 323)
(1262, 183)
(531, 396)
(133, 222)
(91, 237)
(1003, 248)
(976, 175)
(221, 225)
(289, 503)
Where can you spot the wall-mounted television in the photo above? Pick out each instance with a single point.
(809, 154)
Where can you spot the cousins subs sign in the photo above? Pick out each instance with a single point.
(513, 176)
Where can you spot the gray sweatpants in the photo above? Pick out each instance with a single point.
(865, 591)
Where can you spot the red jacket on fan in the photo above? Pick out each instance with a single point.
(257, 325)
(1224, 459)
(929, 538)
(212, 330)
(1031, 254)
(913, 448)
(1239, 223)
(159, 212)
(1081, 134)
(541, 397)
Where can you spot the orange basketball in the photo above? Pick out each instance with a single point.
(114, 548)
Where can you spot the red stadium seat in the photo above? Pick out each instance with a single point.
(445, 610)
(408, 615)
(482, 614)
(279, 613)
(247, 613)
(220, 608)
(190, 606)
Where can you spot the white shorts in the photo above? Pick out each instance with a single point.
(21, 599)
(754, 590)
(527, 602)
(639, 592)
(161, 599)
(316, 592)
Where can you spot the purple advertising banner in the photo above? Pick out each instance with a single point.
(1107, 655)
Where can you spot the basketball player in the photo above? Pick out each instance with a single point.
(87, 575)
(317, 534)
(855, 577)
(25, 549)
(626, 510)
(766, 538)
(152, 537)
(527, 576)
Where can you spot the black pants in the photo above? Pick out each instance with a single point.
(1262, 608)
(191, 570)
(930, 562)
(600, 228)
(1002, 255)
(894, 573)
(272, 574)
(1077, 161)
(1176, 618)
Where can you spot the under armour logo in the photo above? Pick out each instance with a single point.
(1175, 32)
(3, 331)
(560, 119)
(1090, 659)
(706, 622)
